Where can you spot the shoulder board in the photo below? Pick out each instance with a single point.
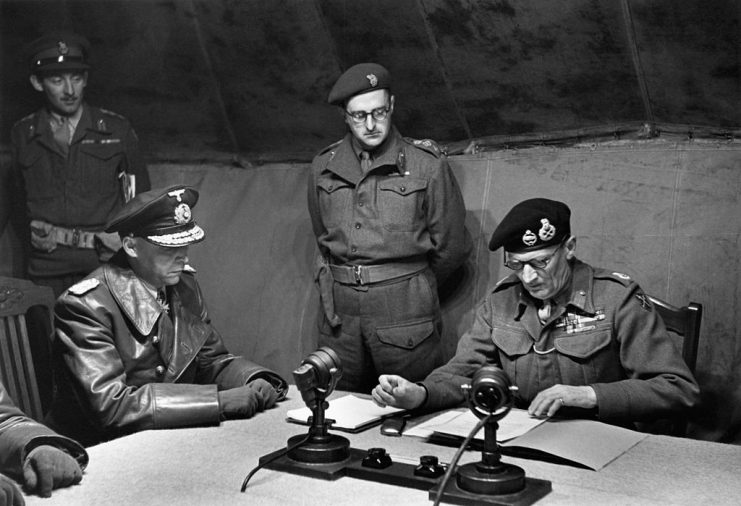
(189, 268)
(428, 145)
(24, 120)
(84, 286)
(619, 277)
(329, 148)
(506, 282)
(111, 113)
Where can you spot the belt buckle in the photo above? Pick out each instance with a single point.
(76, 237)
(358, 271)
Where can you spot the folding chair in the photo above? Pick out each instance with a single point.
(17, 371)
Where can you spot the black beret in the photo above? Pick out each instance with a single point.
(162, 216)
(58, 51)
(531, 225)
(358, 79)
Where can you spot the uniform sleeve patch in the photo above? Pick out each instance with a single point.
(84, 286)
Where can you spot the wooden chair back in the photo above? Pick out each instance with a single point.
(17, 371)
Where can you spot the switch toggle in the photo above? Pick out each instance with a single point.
(377, 458)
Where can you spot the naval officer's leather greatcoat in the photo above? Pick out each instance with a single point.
(127, 363)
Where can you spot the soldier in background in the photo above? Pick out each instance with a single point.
(389, 220)
(74, 166)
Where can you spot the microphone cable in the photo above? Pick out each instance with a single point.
(274, 457)
(456, 458)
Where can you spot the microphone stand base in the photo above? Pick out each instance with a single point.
(533, 490)
(327, 449)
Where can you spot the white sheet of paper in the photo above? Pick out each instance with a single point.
(348, 412)
(460, 422)
(588, 442)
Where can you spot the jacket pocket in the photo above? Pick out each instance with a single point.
(335, 200)
(38, 174)
(510, 342)
(407, 336)
(400, 203)
(101, 165)
(583, 346)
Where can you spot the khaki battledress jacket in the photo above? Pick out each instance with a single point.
(606, 335)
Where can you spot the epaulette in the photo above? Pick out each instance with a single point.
(25, 119)
(84, 286)
(111, 113)
(329, 148)
(428, 145)
(505, 282)
(621, 278)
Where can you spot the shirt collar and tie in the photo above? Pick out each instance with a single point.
(63, 129)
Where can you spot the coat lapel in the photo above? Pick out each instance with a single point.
(189, 334)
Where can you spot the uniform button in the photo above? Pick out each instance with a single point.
(360, 204)
(582, 292)
(357, 225)
(330, 187)
(160, 370)
(155, 339)
(403, 189)
(410, 343)
(353, 249)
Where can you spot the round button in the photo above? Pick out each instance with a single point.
(330, 187)
(582, 292)
(360, 204)
(155, 340)
(353, 249)
(357, 225)
(403, 189)
(410, 342)
(160, 370)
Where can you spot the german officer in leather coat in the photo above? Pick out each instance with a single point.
(388, 216)
(74, 166)
(135, 344)
(34, 455)
(575, 340)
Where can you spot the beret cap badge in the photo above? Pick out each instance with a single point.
(528, 238)
(547, 231)
(372, 79)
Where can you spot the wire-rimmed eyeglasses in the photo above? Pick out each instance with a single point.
(536, 263)
(378, 114)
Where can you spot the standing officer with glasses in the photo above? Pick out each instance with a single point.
(576, 340)
(389, 218)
